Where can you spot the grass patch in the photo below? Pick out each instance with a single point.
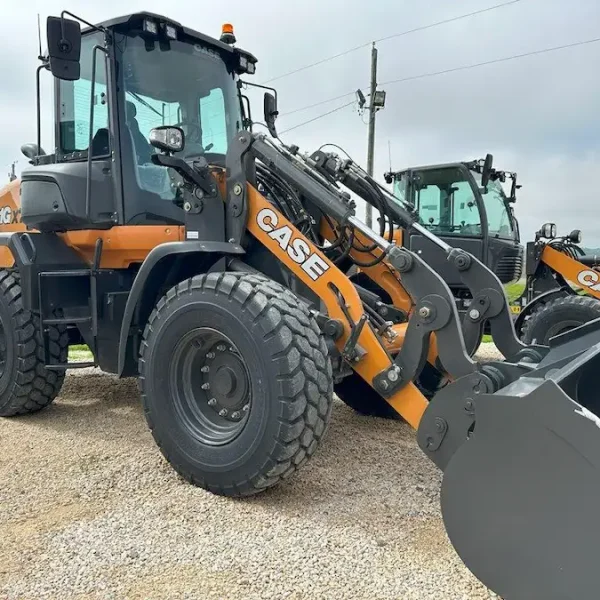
(80, 353)
(514, 290)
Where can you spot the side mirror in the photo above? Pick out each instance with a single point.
(271, 112)
(64, 48)
(167, 138)
(575, 236)
(31, 151)
(486, 173)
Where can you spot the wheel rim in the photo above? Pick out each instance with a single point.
(3, 350)
(561, 327)
(210, 386)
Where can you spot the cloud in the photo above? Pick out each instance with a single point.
(537, 115)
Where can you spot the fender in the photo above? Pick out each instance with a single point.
(218, 249)
(529, 308)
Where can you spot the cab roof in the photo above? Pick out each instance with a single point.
(133, 19)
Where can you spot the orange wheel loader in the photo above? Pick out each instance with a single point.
(204, 259)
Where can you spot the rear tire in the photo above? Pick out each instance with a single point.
(26, 386)
(558, 316)
(236, 382)
(356, 393)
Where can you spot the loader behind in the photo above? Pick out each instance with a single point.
(206, 260)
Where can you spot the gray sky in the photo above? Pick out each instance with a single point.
(537, 115)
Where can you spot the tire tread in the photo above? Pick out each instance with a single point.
(34, 387)
(305, 383)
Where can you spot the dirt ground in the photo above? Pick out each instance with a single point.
(89, 509)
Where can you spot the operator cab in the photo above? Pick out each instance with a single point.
(133, 74)
(465, 205)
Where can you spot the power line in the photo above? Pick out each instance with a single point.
(318, 117)
(389, 37)
(291, 112)
(435, 73)
(492, 62)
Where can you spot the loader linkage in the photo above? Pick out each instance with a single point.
(500, 431)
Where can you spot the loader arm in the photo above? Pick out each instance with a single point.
(572, 270)
(518, 442)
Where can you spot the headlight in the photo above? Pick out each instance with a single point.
(171, 31)
(168, 139)
(150, 26)
(548, 230)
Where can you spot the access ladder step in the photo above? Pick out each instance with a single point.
(66, 320)
(67, 273)
(74, 365)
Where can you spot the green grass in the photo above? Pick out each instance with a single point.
(514, 290)
(80, 353)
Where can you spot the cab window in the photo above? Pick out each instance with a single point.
(75, 103)
(213, 122)
(500, 220)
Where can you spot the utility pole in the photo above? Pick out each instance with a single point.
(12, 175)
(376, 102)
(371, 141)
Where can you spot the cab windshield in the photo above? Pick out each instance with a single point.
(446, 202)
(182, 84)
(185, 84)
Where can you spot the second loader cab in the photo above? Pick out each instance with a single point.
(465, 205)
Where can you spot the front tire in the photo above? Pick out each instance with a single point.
(26, 386)
(236, 382)
(558, 316)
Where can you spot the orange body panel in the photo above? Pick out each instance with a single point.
(572, 270)
(278, 236)
(123, 245)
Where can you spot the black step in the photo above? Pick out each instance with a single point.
(71, 273)
(75, 365)
(66, 320)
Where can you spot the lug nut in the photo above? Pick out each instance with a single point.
(206, 386)
(212, 401)
(392, 375)
(424, 312)
(235, 414)
(221, 347)
(474, 313)
(223, 412)
(210, 355)
(246, 408)
(205, 369)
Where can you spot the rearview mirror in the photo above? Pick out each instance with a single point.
(487, 170)
(271, 112)
(64, 48)
(167, 138)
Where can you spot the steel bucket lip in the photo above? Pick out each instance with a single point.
(526, 525)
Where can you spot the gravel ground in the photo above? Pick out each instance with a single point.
(89, 509)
